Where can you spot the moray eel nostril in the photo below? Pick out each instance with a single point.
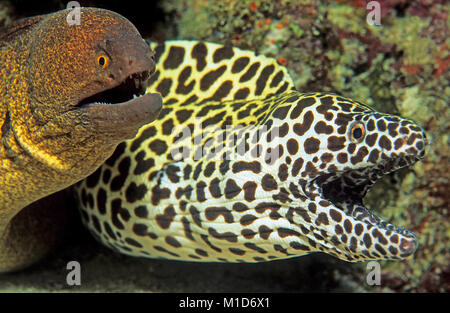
(240, 167)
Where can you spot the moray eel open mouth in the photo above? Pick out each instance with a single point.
(132, 87)
(346, 190)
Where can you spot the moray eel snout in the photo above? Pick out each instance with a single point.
(127, 78)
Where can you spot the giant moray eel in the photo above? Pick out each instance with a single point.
(241, 167)
(55, 127)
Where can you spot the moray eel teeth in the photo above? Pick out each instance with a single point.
(132, 87)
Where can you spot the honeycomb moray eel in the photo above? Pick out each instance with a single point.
(241, 167)
(55, 125)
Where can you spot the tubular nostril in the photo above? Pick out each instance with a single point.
(131, 60)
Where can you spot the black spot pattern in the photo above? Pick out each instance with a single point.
(239, 64)
(211, 77)
(182, 88)
(250, 72)
(223, 53)
(118, 181)
(262, 79)
(199, 52)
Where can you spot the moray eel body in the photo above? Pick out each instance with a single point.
(240, 167)
(56, 126)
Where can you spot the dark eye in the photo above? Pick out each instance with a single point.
(102, 61)
(357, 132)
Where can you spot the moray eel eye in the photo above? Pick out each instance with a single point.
(102, 61)
(357, 132)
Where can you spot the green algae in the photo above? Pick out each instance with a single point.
(296, 30)
(346, 17)
(405, 34)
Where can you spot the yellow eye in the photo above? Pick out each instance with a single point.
(357, 132)
(102, 60)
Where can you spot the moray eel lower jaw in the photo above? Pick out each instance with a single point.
(344, 191)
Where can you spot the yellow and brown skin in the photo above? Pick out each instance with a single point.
(51, 135)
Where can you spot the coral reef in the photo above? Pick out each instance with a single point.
(5, 13)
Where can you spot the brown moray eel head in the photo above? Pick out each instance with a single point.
(87, 85)
(71, 94)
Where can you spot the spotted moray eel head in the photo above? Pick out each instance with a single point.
(362, 146)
